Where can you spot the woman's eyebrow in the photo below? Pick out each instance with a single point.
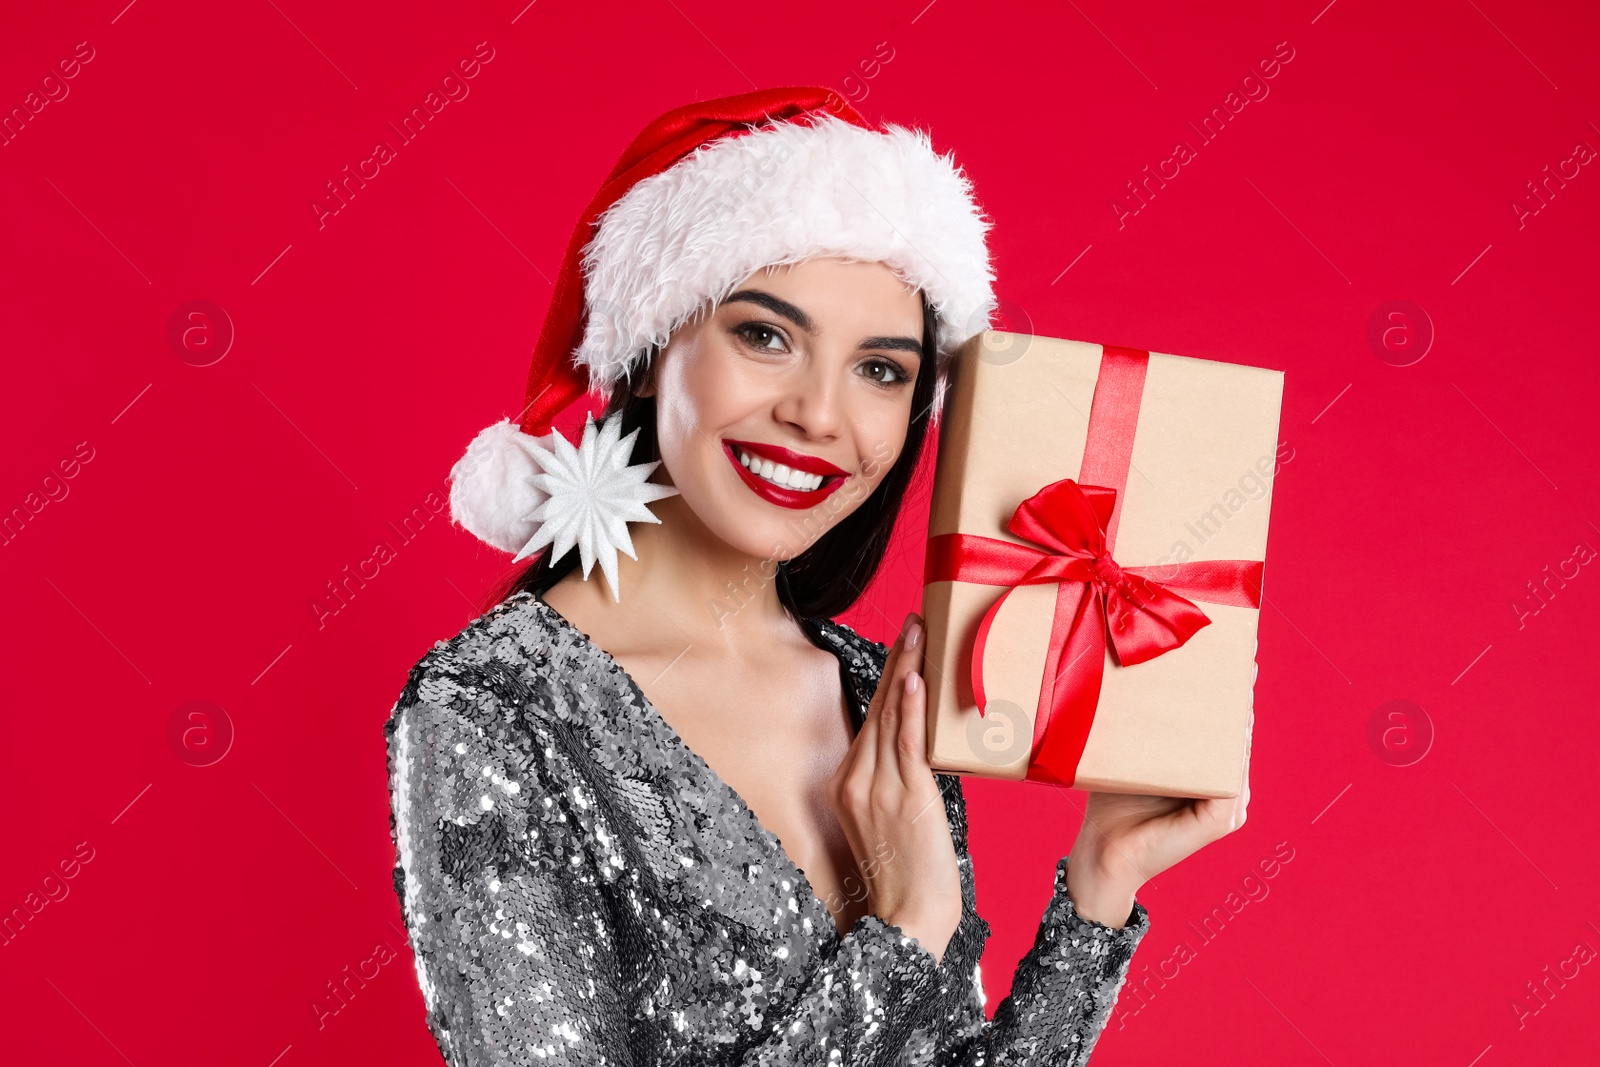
(779, 306)
(900, 344)
(774, 305)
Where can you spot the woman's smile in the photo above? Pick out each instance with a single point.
(782, 476)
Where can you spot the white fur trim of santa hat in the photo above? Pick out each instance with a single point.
(781, 193)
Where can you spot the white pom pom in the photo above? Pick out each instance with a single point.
(493, 488)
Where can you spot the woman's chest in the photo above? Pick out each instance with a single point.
(784, 782)
(775, 738)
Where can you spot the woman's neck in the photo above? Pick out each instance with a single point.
(687, 585)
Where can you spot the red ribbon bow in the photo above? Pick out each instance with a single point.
(1141, 610)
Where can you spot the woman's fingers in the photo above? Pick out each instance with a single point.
(892, 684)
(913, 752)
(1249, 739)
(1237, 805)
(908, 745)
(862, 758)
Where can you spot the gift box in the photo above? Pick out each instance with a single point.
(1096, 548)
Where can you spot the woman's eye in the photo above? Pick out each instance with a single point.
(877, 367)
(759, 335)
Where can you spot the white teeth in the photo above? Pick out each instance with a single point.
(780, 474)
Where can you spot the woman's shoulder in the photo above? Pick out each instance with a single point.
(513, 657)
(855, 649)
(501, 635)
(478, 750)
(862, 657)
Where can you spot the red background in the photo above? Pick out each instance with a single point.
(184, 558)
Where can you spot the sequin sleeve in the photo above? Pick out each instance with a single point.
(514, 947)
(1064, 988)
(1062, 991)
(862, 1005)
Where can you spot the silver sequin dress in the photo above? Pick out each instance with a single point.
(580, 887)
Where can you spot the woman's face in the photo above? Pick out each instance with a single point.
(779, 411)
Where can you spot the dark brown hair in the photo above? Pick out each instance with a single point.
(828, 576)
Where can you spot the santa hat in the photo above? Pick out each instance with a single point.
(705, 196)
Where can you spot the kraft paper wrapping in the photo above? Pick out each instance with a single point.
(1200, 488)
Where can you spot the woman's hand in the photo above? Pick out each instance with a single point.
(890, 808)
(1128, 839)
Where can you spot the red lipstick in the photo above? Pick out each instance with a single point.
(833, 477)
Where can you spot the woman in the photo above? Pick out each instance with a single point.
(701, 827)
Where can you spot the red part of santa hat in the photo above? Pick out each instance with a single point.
(705, 196)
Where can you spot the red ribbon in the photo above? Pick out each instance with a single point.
(1142, 610)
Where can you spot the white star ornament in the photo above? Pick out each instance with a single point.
(593, 494)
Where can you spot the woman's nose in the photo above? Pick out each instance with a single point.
(812, 401)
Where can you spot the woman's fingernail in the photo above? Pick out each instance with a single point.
(913, 681)
(914, 635)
